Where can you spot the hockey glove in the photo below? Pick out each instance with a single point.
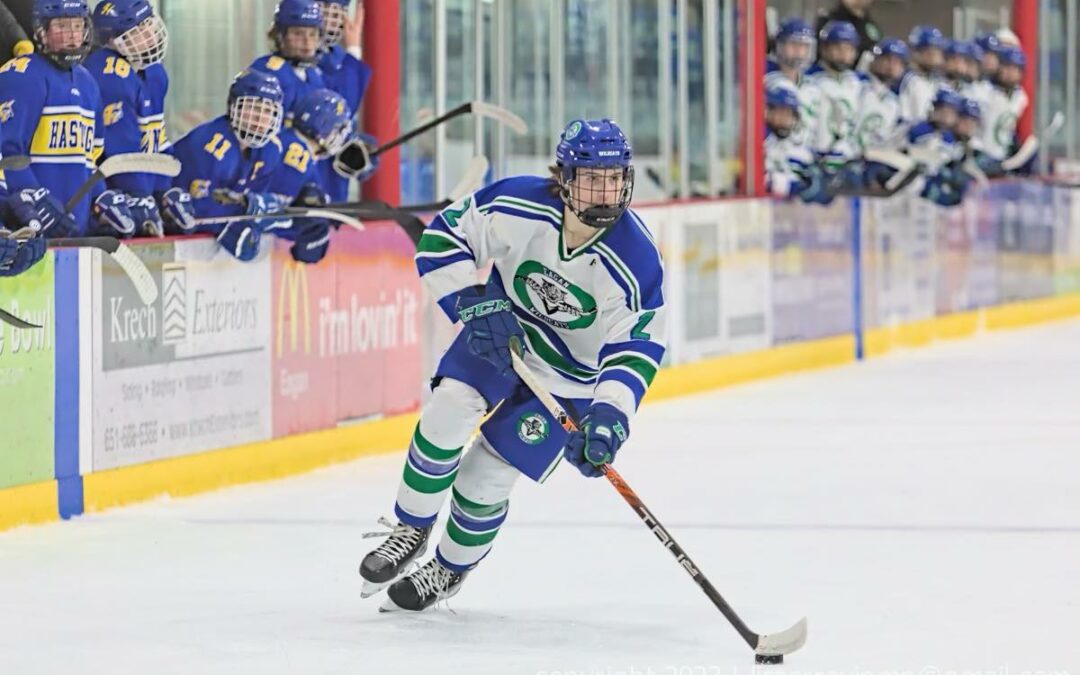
(813, 189)
(144, 211)
(113, 215)
(18, 256)
(41, 212)
(177, 211)
(489, 325)
(312, 240)
(312, 196)
(356, 160)
(241, 239)
(603, 431)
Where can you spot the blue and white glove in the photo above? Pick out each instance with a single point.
(241, 239)
(356, 159)
(17, 256)
(312, 240)
(489, 325)
(603, 431)
(177, 211)
(41, 212)
(113, 215)
(813, 189)
(259, 203)
(144, 211)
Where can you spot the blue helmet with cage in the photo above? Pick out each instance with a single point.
(256, 108)
(133, 29)
(926, 37)
(986, 41)
(323, 117)
(599, 145)
(892, 47)
(782, 97)
(948, 98)
(44, 13)
(795, 43)
(334, 16)
(963, 49)
(297, 14)
(1011, 56)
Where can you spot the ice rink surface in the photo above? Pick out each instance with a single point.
(922, 510)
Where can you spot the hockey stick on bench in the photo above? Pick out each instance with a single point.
(12, 320)
(500, 115)
(767, 648)
(122, 255)
(128, 162)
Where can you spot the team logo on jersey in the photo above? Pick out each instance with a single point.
(533, 428)
(551, 298)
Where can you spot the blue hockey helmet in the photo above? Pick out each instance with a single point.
(1011, 56)
(594, 144)
(133, 29)
(324, 118)
(298, 14)
(334, 16)
(892, 47)
(970, 108)
(782, 97)
(948, 98)
(926, 37)
(838, 31)
(256, 108)
(43, 14)
(795, 43)
(964, 49)
(986, 41)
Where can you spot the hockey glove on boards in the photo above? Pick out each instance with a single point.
(177, 211)
(18, 256)
(144, 211)
(603, 431)
(113, 216)
(489, 325)
(40, 211)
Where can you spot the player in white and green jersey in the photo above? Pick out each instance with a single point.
(577, 277)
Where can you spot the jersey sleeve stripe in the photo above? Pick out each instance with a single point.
(435, 243)
(622, 276)
(642, 367)
(625, 377)
(440, 225)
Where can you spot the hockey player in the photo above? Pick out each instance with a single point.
(50, 109)
(127, 66)
(988, 66)
(297, 36)
(880, 124)
(833, 90)
(794, 53)
(321, 127)
(790, 170)
(1004, 105)
(927, 46)
(236, 155)
(933, 144)
(578, 278)
(961, 68)
(345, 72)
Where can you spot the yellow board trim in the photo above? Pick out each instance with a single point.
(270, 460)
(28, 505)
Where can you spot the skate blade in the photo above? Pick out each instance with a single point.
(389, 607)
(370, 589)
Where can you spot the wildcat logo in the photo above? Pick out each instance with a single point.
(549, 297)
(533, 428)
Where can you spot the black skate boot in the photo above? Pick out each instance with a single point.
(392, 558)
(423, 588)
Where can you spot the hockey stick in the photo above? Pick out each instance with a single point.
(767, 648)
(287, 214)
(12, 320)
(122, 255)
(14, 163)
(471, 179)
(128, 162)
(1032, 144)
(501, 115)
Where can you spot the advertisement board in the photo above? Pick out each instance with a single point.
(188, 373)
(346, 332)
(28, 376)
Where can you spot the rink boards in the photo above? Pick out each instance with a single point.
(245, 372)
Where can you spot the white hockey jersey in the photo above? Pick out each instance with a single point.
(594, 317)
(785, 158)
(933, 148)
(832, 112)
(1000, 113)
(775, 77)
(917, 93)
(880, 124)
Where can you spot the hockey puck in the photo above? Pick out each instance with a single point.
(769, 658)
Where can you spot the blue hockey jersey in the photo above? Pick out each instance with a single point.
(297, 169)
(213, 159)
(134, 114)
(348, 76)
(55, 117)
(296, 81)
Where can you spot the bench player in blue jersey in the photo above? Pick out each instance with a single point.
(235, 156)
(321, 126)
(578, 278)
(127, 65)
(50, 109)
(297, 35)
(345, 72)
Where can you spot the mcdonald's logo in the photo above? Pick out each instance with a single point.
(294, 289)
